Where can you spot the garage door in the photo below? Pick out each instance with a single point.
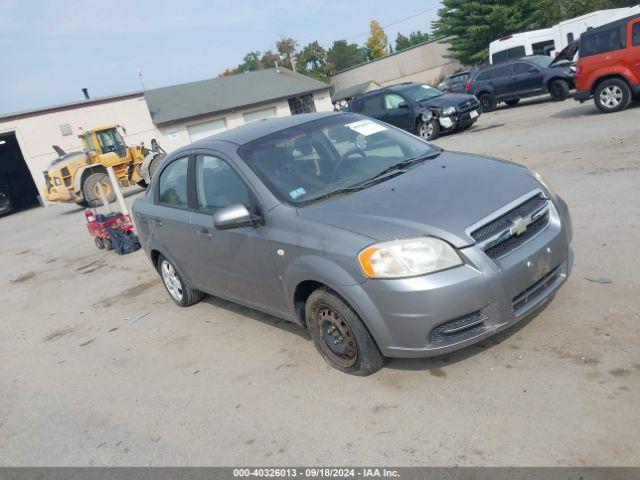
(204, 130)
(259, 114)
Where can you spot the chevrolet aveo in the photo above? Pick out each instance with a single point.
(377, 242)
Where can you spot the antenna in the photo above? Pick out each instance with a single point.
(141, 79)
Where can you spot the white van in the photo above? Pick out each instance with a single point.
(570, 30)
(535, 42)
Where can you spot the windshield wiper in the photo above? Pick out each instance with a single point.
(386, 174)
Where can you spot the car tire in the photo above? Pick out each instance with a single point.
(513, 103)
(487, 102)
(90, 189)
(106, 242)
(179, 292)
(559, 90)
(612, 95)
(99, 243)
(428, 130)
(340, 336)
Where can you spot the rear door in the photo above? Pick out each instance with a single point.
(503, 81)
(170, 218)
(396, 111)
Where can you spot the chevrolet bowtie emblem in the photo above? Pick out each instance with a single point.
(520, 225)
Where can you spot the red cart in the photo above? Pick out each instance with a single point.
(97, 225)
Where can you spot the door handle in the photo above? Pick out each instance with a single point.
(157, 222)
(204, 233)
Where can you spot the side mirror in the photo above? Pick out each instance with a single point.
(233, 216)
(403, 105)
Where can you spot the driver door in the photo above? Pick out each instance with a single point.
(396, 111)
(235, 263)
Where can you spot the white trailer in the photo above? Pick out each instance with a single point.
(535, 42)
(570, 30)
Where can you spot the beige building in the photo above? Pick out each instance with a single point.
(175, 116)
(425, 63)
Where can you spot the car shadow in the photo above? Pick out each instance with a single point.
(434, 364)
(525, 102)
(586, 110)
(253, 314)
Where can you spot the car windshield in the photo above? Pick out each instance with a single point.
(332, 156)
(542, 62)
(420, 93)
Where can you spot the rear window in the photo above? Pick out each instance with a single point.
(635, 34)
(601, 42)
(484, 76)
(543, 48)
(503, 71)
(372, 104)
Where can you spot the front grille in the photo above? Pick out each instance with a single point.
(457, 329)
(468, 105)
(495, 237)
(530, 293)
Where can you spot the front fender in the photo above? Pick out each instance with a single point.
(77, 179)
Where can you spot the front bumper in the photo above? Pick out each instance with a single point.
(457, 121)
(60, 194)
(429, 315)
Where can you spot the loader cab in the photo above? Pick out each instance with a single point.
(105, 141)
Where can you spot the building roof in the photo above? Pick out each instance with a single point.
(69, 105)
(354, 90)
(206, 97)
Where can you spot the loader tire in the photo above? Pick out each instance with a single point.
(90, 190)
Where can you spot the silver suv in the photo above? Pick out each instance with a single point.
(377, 242)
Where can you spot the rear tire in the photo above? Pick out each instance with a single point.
(99, 243)
(340, 336)
(107, 244)
(612, 95)
(175, 286)
(488, 102)
(90, 189)
(559, 90)
(513, 103)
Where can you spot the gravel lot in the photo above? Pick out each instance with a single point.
(86, 379)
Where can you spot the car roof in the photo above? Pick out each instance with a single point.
(252, 131)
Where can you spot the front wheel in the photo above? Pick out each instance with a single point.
(91, 189)
(340, 336)
(612, 95)
(175, 286)
(559, 90)
(429, 130)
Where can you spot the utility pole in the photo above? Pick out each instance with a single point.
(141, 79)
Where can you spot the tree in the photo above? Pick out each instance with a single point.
(343, 55)
(269, 59)
(377, 43)
(312, 60)
(414, 38)
(554, 11)
(472, 25)
(250, 62)
(287, 49)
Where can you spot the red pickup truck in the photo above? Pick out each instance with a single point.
(609, 66)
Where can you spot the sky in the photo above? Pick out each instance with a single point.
(50, 50)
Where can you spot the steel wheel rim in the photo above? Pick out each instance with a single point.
(171, 280)
(106, 188)
(611, 96)
(426, 130)
(337, 340)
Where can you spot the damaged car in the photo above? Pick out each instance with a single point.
(419, 109)
(377, 242)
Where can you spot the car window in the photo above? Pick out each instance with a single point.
(543, 48)
(486, 75)
(173, 184)
(218, 185)
(372, 104)
(338, 152)
(509, 54)
(635, 34)
(461, 78)
(392, 100)
(520, 68)
(503, 71)
(601, 42)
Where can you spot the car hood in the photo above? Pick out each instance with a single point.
(441, 197)
(447, 100)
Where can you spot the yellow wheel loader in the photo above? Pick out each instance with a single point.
(74, 177)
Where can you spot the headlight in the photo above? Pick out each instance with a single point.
(545, 183)
(449, 111)
(407, 257)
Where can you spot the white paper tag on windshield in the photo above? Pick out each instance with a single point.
(366, 127)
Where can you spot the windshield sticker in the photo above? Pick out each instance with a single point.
(298, 192)
(366, 127)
